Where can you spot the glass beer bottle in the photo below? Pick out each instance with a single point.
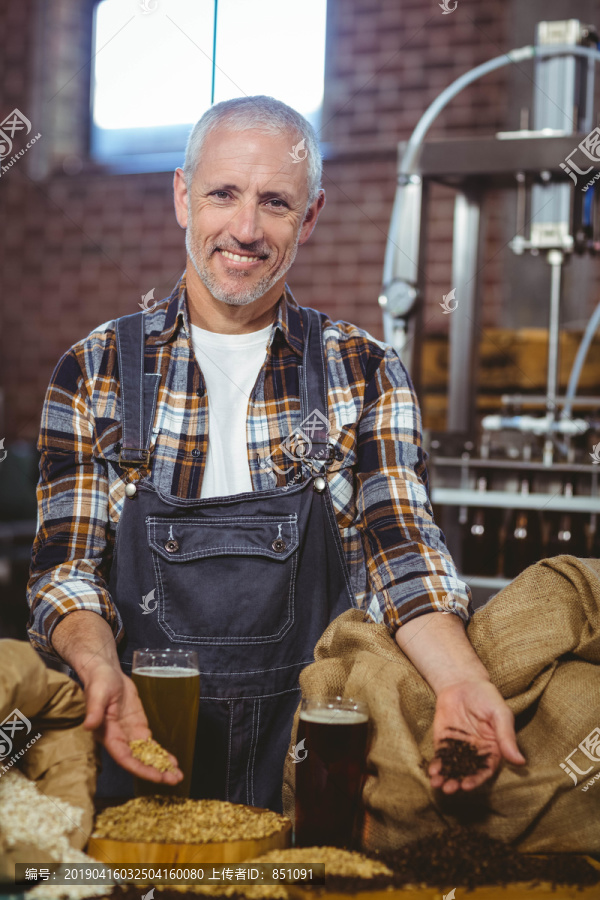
(523, 544)
(567, 534)
(480, 541)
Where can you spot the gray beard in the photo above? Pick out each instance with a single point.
(240, 297)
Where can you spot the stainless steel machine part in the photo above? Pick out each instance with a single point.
(403, 277)
(543, 158)
(465, 320)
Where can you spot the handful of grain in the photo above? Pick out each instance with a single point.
(152, 754)
(459, 759)
(177, 820)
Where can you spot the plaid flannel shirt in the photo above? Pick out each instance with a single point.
(398, 562)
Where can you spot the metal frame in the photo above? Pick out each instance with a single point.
(472, 167)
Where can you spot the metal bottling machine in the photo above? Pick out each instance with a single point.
(522, 484)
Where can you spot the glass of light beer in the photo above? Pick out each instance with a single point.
(331, 748)
(168, 682)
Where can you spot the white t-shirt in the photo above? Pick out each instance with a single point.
(230, 364)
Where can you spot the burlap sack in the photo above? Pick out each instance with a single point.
(62, 761)
(539, 638)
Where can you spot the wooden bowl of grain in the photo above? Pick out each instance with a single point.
(167, 830)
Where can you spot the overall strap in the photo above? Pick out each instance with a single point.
(139, 391)
(313, 387)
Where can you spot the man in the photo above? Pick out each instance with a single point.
(259, 468)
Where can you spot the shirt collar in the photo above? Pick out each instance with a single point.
(288, 321)
(175, 314)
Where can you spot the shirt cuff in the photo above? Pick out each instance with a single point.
(50, 607)
(394, 608)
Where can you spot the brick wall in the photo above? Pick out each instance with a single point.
(82, 247)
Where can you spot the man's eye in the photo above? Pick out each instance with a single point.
(277, 204)
(220, 195)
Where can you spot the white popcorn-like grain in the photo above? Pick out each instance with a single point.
(30, 816)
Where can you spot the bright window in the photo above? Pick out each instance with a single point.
(158, 65)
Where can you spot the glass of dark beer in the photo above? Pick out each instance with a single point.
(330, 756)
(168, 682)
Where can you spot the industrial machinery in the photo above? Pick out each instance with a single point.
(514, 487)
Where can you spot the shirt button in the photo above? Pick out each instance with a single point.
(195, 452)
(198, 393)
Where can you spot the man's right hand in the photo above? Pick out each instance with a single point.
(116, 716)
(114, 710)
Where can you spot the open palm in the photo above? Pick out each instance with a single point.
(116, 715)
(473, 711)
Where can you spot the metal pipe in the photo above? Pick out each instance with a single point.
(464, 321)
(582, 352)
(540, 399)
(534, 425)
(408, 166)
(556, 259)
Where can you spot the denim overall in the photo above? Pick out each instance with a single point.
(249, 582)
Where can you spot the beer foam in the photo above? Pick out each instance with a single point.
(325, 716)
(165, 671)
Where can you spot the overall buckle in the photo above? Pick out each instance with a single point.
(144, 461)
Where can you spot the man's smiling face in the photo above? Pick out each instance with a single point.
(246, 212)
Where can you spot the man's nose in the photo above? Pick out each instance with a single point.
(245, 226)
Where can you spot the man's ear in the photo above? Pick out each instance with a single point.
(311, 216)
(180, 197)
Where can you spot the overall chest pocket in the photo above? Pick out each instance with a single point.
(224, 580)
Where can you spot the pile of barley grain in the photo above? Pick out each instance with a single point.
(27, 815)
(234, 891)
(344, 869)
(337, 862)
(176, 820)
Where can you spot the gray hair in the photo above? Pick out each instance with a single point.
(263, 114)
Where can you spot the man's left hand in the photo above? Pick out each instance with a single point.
(475, 712)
